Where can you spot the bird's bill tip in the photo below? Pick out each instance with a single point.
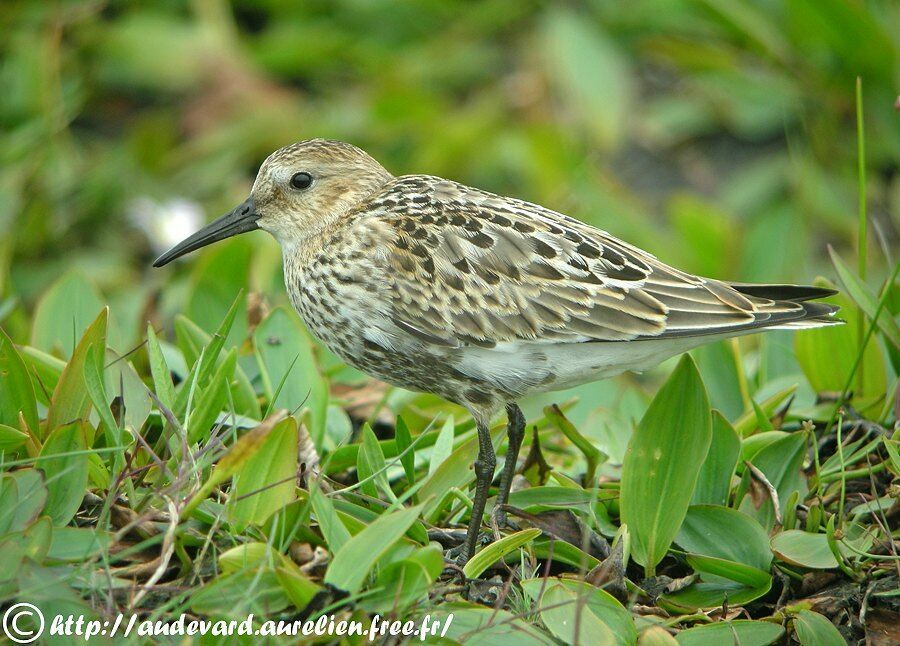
(239, 220)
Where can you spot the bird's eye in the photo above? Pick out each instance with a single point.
(301, 181)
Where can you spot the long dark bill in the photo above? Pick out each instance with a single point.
(237, 221)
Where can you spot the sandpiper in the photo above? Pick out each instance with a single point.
(438, 287)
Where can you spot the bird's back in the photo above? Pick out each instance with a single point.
(500, 294)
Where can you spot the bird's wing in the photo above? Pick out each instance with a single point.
(466, 267)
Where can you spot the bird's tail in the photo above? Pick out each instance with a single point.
(815, 314)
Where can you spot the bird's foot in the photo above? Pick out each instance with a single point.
(499, 520)
(459, 554)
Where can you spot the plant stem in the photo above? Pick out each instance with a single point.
(862, 229)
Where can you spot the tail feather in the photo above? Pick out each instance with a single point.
(793, 293)
(773, 307)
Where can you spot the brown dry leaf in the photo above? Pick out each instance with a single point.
(360, 401)
(565, 526)
(257, 310)
(882, 627)
(610, 574)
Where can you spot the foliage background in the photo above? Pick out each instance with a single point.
(718, 134)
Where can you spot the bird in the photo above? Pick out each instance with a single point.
(438, 287)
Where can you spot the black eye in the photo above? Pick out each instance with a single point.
(301, 181)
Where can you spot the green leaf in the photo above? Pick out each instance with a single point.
(455, 471)
(70, 400)
(571, 620)
(11, 438)
(602, 604)
(656, 636)
(405, 582)
(592, 455)
(212, 399)
(35, 539)
(403, 442)
(662, 464)
(443, 445)
(827, 356)
(296, 585)
(492, 553)
(589, 73)
(265, 483)
(121, 380)
(473, 623)
(781, 462)
(77, 544)
(334, 531)
(804, 549)
(238, 594)
(63, 313)
(738, 572)
(9, 501)
(30, 497)
(234, 460)
(707, 595)
(162, 379)
(563, 552)
(866, 299)
(216, 289)
(249, 556)
(748, 423)
(742, 631)
(201, 351)
(815, 630)
(64, 461)
(18, 392)
(548, 496)
(46, 370)
(714, 481)
(285, 356)
(725, 533)
(371, 467)
(358, 556)
(93, 383)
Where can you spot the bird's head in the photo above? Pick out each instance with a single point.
(299, 189)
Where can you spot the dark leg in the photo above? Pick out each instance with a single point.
(484, 473)
(515, 431)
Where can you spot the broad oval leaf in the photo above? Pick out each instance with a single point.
(804, 549)
(63, 313)
(64, 461)
(725, 533)
(570, 619)
(815, 630)
(602, 604)
(744, 632)
(30, 494)
(662, 464)
(265, 483)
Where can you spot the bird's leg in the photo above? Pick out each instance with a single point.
(515, 431)
(484, 473)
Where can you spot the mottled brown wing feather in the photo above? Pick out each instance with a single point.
(468, 267)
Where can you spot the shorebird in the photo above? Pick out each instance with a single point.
(434, 286)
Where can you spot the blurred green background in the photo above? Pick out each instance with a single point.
(718, 134)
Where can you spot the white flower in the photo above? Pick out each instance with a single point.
(165, 223)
